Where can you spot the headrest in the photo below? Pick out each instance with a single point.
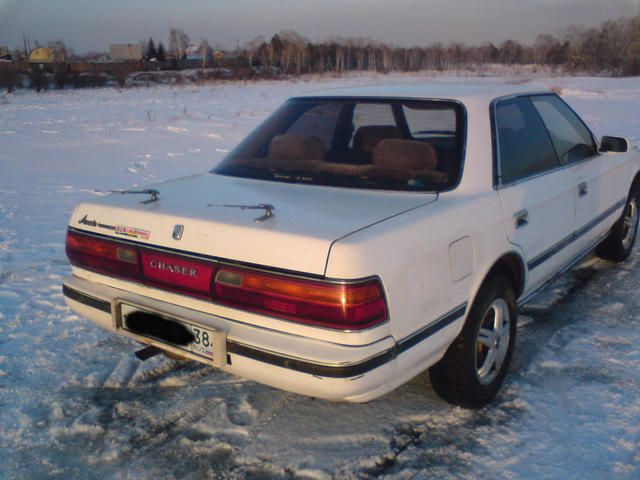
(407, 155)
(367, 138)
(296, 147)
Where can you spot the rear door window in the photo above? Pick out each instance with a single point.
(524, 147)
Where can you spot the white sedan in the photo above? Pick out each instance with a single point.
(360, 237)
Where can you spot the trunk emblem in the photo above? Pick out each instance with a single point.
(177, 232)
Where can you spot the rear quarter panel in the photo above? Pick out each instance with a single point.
(411, 255)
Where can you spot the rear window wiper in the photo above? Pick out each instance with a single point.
(268, 209)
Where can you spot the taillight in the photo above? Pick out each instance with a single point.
(102, 255)
(167, 271)
(344, 306)
(351, 306)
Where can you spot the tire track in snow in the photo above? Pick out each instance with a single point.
(442, 447)
(237, 462)
(549, 312)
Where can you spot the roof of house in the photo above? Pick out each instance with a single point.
(126, 51)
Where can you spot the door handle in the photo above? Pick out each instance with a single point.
(521, 218)
(582, 189)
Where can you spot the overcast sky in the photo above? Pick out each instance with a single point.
(87, 25)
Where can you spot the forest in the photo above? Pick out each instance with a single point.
(610, 49)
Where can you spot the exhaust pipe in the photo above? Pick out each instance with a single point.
(147, 352)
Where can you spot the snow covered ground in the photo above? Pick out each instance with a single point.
(75, 403)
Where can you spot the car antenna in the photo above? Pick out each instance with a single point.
(268, 209)
(155, 194)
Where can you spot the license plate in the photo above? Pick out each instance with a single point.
(203, 340)
(207, 342)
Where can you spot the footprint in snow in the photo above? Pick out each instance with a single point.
(242, 414)
(177, 130)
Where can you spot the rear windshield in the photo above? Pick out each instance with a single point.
(357, 143)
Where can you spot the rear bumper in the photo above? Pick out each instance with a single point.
(300, 364)
(331, 371)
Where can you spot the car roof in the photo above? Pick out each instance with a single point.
(461, 91)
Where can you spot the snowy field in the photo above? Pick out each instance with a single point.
(75, 403)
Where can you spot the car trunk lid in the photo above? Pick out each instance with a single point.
(207, 215)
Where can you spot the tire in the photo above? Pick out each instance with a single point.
(619, 243)
(473, 369)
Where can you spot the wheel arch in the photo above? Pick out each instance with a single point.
(449, 376)
(512, 265)
(635, 184)
(509, 264)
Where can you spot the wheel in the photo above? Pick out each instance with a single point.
(619, 243)
(473, 369)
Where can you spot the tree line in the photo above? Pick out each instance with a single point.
(613, 48)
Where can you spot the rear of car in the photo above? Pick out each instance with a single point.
(229, 267)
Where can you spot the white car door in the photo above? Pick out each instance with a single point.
(536, 193)
(598, 179)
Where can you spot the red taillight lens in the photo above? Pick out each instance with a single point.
(171, 272)
(102, 255)
(353, 306)
(342, 306)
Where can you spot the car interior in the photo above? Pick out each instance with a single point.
(409, 145)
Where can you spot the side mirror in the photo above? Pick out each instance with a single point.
(614, 144)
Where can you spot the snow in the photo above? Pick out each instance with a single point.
(75, 403)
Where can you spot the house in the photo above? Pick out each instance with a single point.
(125, 52)
(5, 54)
(43, 55)
(198, 53)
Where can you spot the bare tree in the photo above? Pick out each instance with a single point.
(60, 51)
(205, 51)
(252, 46)
(178, 43)
(541, 48)
(293, 50)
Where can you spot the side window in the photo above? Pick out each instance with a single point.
(366, 114)
(437, 126)
(319, 121)
(523, 144)
(427, 123)
(571, 138)
(371, 123)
